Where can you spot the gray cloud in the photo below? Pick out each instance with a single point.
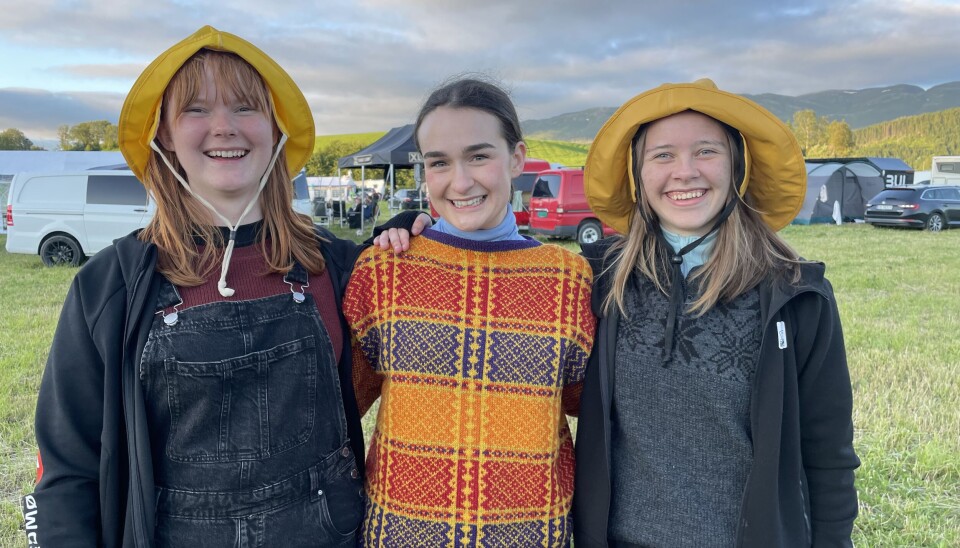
(39, 113)
(365, 65)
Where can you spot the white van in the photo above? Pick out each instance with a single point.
(65, 216)
(301, 194)
(945, 170)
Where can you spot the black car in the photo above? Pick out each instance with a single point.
(934, 207)
(409, 198)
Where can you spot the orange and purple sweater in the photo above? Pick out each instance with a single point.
(477, 351)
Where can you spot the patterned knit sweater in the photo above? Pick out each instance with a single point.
(476, 349)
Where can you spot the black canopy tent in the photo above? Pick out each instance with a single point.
(393, 151)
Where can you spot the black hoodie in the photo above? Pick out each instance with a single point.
(97, 483)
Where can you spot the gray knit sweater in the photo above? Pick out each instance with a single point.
(682, 447)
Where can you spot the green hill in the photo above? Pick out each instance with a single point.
(559, 152)
(913, 139)
(361, 139)
(578, 127)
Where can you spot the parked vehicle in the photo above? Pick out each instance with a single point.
(409, 198)
(522, 191)
(66, 216)
(301, 194)
(559, 208)
(524, 186)
(934, 207)
(945, 170)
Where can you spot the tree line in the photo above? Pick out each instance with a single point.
(326, 157)
(820, 137)
(97, 135)
(913, 139)
(14, 139)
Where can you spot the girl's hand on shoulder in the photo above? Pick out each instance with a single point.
(398, 239)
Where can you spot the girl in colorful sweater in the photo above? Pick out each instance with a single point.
(476, 340)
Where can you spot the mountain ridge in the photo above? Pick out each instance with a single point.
(860, 108)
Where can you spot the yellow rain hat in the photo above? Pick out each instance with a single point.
(140, 115)
(775, 174)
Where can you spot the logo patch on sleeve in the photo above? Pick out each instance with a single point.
(781, 335)
(29, 508)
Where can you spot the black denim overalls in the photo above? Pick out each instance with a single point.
(247, 427)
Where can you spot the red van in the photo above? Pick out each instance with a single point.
(522, 185)
(559, 208)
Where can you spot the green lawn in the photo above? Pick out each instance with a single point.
(898, 294)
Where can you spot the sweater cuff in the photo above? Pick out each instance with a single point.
(403, 220)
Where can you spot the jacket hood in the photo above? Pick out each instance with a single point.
(140, 115)
(775, 173)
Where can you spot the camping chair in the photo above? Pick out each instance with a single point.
(372, 221)
(341, 211)
(321, 215)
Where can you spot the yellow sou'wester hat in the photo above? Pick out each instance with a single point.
(140, 115)
(775, 175)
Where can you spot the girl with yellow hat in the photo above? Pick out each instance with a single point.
(717, 406)
(198, 389)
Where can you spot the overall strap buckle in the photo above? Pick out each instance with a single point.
(299, 275)
(169, 298)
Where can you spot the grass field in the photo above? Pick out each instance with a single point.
(898, 293)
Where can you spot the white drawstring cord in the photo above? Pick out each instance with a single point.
(228, 252)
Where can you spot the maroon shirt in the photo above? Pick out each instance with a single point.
(246, 277)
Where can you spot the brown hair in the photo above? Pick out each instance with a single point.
(746, 251)
(180, 217)
(464, 92)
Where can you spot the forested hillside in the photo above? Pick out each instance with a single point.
(913, 139)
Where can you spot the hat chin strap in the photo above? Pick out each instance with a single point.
(676, 282)
(228, 252)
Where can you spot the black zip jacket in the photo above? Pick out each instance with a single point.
(801, 487)
(97, 485)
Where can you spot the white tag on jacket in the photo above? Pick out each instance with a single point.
(781, 335)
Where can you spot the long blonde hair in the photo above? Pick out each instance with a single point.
(746, 251)
(180, 217)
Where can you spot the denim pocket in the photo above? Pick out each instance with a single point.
(248, 407)
(342, 502)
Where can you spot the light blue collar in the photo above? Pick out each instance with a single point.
(506, 230)
(696, 256)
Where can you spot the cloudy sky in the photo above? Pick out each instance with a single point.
(365, 65)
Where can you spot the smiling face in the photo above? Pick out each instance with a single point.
(686, 171)
(223, 141)
(468, 166)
